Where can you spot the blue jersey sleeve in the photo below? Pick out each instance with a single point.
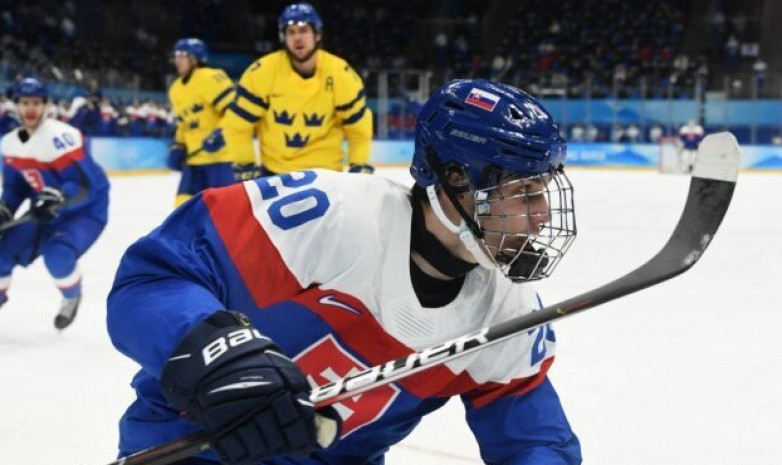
(530, 429)
(165, 284)
(15, 188)
(85, 186)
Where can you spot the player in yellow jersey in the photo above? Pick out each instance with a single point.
(302, 102)
(199, 96)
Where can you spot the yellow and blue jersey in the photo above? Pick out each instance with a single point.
(301, 122)
(198, 104)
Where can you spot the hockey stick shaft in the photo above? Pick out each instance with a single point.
(16, 222)
(28, 216)
(707, 202)
(194, 153)
(706, 206)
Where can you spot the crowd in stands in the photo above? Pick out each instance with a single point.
(734, 35)
(734, 43)
(96, 115)
(573, 48)
(583, 46)
(600, 48)
(123, 44)
(42, 39)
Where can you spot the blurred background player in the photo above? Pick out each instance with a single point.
(302, 102)
(44, 160)
(690, 136)
(199, 96)
(340, 272)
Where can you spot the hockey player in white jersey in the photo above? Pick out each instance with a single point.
(46, 162)
(342, 272)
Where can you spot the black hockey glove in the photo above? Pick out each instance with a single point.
(47, 204)
(177, 155)
(251, 399)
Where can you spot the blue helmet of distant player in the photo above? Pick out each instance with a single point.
(500, 147)
(30, 87)
(299, 13)
(193, 47)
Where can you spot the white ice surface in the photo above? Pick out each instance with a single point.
(688, 372)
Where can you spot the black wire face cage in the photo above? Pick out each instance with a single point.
(528, 223)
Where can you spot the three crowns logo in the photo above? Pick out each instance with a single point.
(314, 119)
(296, 141)
(283, 118)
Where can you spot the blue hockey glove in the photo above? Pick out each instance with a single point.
(47, 204)
(366, 169)
(176, 157)
(214, 141)
(252, 400)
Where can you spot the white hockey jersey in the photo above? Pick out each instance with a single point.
(320, 262)
(54, 155)
(359, 244)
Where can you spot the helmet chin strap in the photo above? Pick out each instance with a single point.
(462, 230)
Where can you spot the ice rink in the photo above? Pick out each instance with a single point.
(688, 372)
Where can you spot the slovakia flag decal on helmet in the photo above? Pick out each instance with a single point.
(482, 99)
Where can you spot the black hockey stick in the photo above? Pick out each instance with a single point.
(16, 222)
(711, 190)
(194, 153)
(28, 215)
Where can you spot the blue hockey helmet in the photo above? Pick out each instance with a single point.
(30, 87)
(194, 47)
(479, 124)
(299, 13)
(508, 156)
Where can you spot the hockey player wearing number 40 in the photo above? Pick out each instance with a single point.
(294, 280)
(45, 161)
